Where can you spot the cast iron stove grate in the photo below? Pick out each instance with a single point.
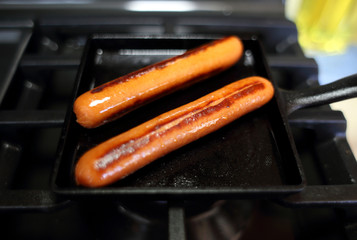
(38, 73)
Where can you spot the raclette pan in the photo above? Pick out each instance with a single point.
(253, 156)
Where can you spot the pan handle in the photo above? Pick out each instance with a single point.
(342, 89)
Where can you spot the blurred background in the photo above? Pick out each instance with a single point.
(327, 33)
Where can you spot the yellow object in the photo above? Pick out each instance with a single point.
(325, 25)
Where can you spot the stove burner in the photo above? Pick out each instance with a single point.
(223, 220)
(203, 219)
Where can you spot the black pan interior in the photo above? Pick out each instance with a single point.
(252, 155)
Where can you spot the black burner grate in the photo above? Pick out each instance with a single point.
(37, 72)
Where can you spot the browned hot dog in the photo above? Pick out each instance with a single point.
(120, 156)
(119, 96)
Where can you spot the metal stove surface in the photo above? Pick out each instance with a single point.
(41, 52)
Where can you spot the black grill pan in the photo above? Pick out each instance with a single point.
(253, 156)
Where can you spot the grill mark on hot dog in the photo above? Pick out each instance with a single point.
(256, 85)
(226, 103)
(157, 66)
(129, 147)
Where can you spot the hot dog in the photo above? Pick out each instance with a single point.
(112, 100)
(120, 156)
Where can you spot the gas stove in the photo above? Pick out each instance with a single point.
(42, 49)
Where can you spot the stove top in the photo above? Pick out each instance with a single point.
(42, 48)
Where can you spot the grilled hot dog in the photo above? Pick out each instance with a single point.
(119, 96)
(120, 156)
